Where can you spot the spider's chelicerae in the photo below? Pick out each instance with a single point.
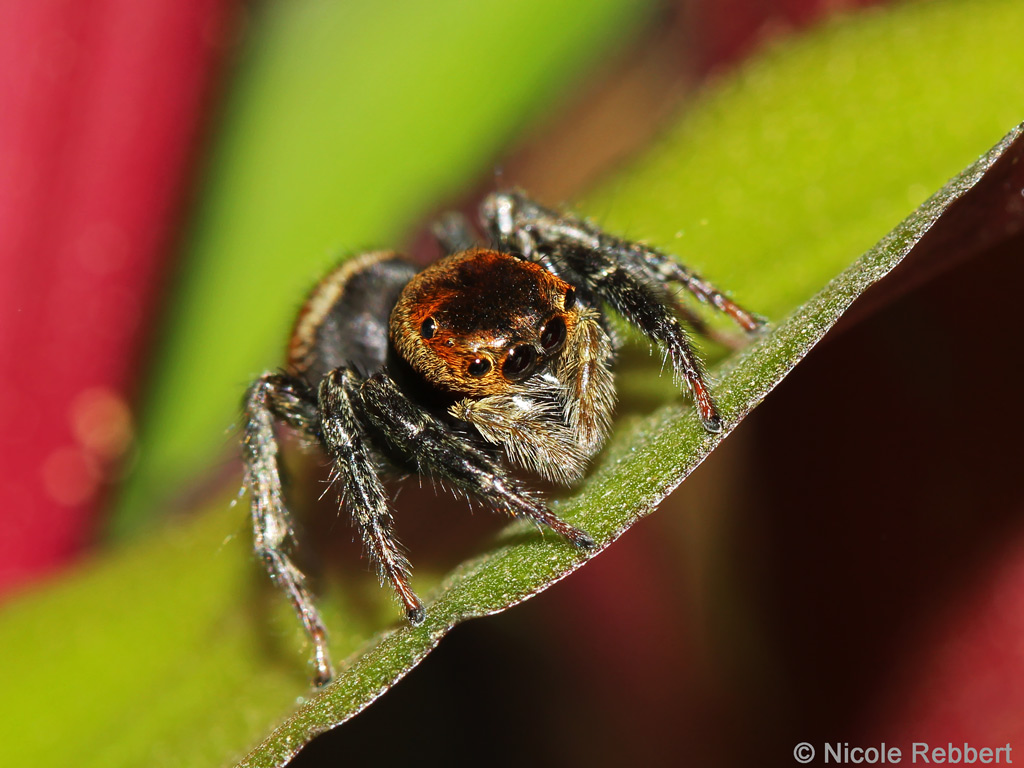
(489, 359)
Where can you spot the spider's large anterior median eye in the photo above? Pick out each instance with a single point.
(478, 367)
(428, 328)
(553, 335)
(520, 362)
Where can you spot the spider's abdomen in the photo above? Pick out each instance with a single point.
(344, 320)
(476, 322)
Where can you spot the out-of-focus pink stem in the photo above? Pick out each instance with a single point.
(101, 105)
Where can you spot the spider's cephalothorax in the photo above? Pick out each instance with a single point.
(525, 360)
(488, 359)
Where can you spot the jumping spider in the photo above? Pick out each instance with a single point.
(491, 358)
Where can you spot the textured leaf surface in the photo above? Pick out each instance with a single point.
(170, 652)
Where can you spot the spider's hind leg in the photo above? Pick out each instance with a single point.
(271, 397)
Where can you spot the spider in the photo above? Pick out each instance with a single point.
(491, 359)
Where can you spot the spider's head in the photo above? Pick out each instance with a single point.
(480, 322)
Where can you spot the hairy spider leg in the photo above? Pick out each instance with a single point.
(360, 487)
(672, 271)
(526, 222)
(646, 305)
(441, 453)
(614, 271)
(273, 395)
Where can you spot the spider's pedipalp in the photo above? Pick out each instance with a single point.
(530, 431)
(588, 387)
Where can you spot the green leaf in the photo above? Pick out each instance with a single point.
(647, 459)
(173, 651)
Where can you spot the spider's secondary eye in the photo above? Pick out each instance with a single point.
(570, 299)
(479, 367)
(553, 335)
(428, 328)
(520, 362)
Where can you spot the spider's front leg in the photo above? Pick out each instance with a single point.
(360, 487)
(630, 277)
(437, 451)
(514, 218)
(271, 397)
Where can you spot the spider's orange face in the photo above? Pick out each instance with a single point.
(480, 321)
